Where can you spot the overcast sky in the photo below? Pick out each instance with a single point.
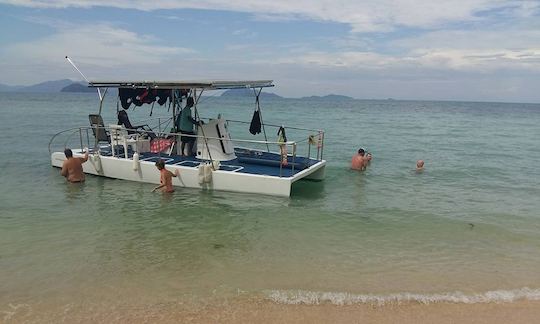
(482, 50)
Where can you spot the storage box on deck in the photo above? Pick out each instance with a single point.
(143, 145)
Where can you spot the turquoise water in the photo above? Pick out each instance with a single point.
(385, 231)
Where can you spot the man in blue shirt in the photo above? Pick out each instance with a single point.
(185, 124)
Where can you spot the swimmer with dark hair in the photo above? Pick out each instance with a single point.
(359, 160)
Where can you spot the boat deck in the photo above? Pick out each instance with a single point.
(247, 161)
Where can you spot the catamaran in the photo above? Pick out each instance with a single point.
(218, 161)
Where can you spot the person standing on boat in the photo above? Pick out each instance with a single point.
(186, 124)
(165, 178)
(359, 161)
(72, 167)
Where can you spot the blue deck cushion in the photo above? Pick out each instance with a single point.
(261, 164)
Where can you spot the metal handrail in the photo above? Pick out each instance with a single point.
(62, 132)
(166, 134)
(272, 125)
(294, 144)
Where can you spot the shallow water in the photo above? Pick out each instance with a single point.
(469, 223)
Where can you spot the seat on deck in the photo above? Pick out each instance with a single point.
(121, 138)
(123, 119)
(98, 129)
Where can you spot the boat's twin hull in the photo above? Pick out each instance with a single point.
(121, 168)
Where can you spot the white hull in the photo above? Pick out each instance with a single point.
(122, 168)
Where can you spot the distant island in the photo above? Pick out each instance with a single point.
(47, 86)
(77, 87)
(329, 97)
(234, 93)
(67, 85)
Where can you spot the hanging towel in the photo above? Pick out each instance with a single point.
(282, 138)
(255, 126)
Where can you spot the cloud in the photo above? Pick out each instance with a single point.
(362, 16)
(94, 44)
(444, 59)
(99, 47)
(460, 49)
(245, 33)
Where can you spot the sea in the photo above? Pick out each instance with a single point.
(465, 230)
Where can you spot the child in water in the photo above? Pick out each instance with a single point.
(165, 177)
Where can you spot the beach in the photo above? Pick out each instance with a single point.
(260, 311)
(456, 243)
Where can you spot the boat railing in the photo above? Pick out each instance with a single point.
(274, 125)
(84, 137)
(314, 137)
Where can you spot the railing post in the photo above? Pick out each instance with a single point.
(319, 142)
(280, 161)
(322, 145)
(294, 156)
(87, 137)
(159, 136)
(80, 138)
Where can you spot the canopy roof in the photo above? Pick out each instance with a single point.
(209, 84)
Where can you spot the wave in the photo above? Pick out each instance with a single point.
(295, 297)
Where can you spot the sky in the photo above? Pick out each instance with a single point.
(477, 50)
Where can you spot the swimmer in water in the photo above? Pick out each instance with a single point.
(419, 165)
(165, 177)
(359, 161)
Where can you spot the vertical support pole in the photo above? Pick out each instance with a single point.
(293, 156)
(97, 127)
(159, 136)
(319, 141)
(87, 138)
(101, 99)
(80, 138)
(322, 145)
(113, 139)
(280, 165)
(309, 148)
(202, 129)
(175, 143)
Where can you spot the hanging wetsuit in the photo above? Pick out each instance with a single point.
(126, 96)
(255, 126)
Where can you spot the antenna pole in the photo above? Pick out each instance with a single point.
(84, 77)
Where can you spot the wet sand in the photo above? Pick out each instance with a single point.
(263, 311)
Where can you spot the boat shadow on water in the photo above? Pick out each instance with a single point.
(307, 189)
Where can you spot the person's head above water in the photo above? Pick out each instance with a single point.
(419, 164)
(160, 164)
(361, 152)
(68, 153)
(368, 156)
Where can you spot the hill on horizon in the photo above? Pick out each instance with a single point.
(78, 87)
(47, 86)
(232, 93)
(330, 97)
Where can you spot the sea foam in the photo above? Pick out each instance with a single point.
(294, 297)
